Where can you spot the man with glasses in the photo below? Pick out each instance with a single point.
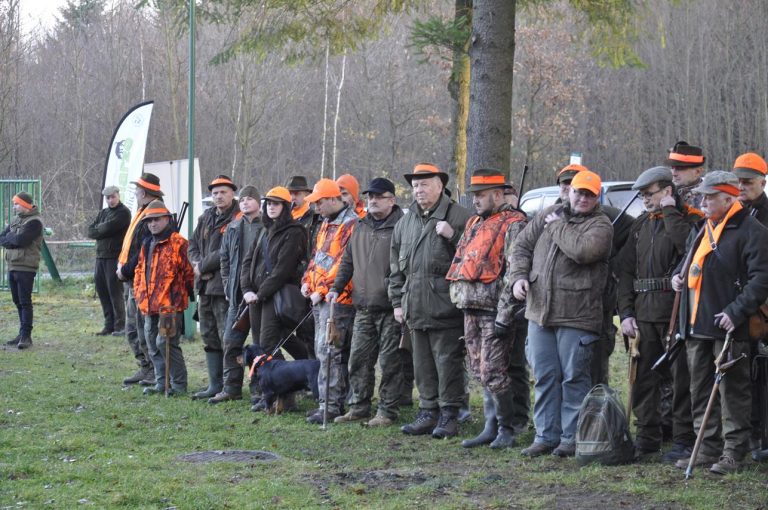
(375, 333)
(559, 266)
(645, 306)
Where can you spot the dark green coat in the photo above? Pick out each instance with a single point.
(204, 248)
(23, 240)
(419, 260)
(108, 229)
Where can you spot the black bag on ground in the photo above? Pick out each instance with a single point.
(602, 433)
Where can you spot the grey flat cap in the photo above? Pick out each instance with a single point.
(655, 174)
(718, 181)
(110, 190)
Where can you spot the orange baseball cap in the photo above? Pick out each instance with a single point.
(278, 193)
(568, 172)
(749, 166)
(324, 188)
(588, 180)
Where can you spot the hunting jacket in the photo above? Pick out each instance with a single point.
(366, 263)
(23, 240)
(332, 239)
(420, 259)
(656, 245)
(204, 248)
(477, 273)
(759, 209)
(108, 229)
(286, 247)
(506, 308)
(170, 280)
(232, 253)
(566, 264)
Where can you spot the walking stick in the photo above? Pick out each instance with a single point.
(634, 356)
(167, 364)
(330, 329)
(721, 367)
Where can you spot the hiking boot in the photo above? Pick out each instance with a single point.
(490, 431)
(104, 332)
(537, 450)
(14, 342)
(380, 421)
(678, 451)
(565, 450)
(317, 418)
(505, 439)
(726, 465)
(424, 423)
(701, 460)
(447, 424)
(140, 374)
(223, 396)
(154, 390)
(351, 417)
(25, 342)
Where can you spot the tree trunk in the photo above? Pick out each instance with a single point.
(492, 54)
(459, 89)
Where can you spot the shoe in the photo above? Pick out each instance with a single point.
(505, 439)
(424, 423)
(140, 374)
(223, 396)
(14, 342)
(259, 406)
(149, 380)
(119, 333)
(313, 411)
(105, 332)
(177, 392)
(644, 449)
(447, 424)
(25, 342)
(154, 390)
(380, 421)
(351, 417)
(537, 450)
(490, 429)
(701, 460)
(565, 450)
(678, 451)
(214, 361)
(317, 418)
(726, 465)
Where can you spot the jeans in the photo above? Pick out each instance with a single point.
(561, 359)
(21, 284)
(177, 370)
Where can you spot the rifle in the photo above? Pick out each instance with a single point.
(624, 209)
(180, 216)
(243, 321)
(721, 367)
(522, 181)
(673, 349)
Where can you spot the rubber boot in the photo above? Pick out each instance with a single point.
(215, 362)
(491, 425)
(505, 415)
(465, 412)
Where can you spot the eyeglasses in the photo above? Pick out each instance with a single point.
(378, 196)
(649, 194)
(584, 193)
(155, 219)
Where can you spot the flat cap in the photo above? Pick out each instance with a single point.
(655, 174)
(718, 181)
(110, 190)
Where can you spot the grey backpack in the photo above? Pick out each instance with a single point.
(602, 433)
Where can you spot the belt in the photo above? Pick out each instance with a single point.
(652, 285)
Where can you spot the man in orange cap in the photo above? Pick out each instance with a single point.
(339, 222)
(750, 170)
(350, 193)
(423, 245)
(560, 266)
(204, 255)
(23, 240)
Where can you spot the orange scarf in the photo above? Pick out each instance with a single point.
(695, 272)
(298, 212)
(128, 239)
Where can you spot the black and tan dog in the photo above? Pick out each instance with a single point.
(278, 377)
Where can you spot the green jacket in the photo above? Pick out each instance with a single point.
(366, 262)
(419, 260)
(204, 248)
(23, 240)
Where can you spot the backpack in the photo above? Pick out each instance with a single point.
(602, 433)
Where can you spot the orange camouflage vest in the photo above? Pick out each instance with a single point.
(171, 276)
(480, 254)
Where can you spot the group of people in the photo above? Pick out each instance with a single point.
(439, 294)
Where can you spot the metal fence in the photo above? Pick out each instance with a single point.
(8, 188)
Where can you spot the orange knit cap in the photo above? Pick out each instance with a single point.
(349, 183)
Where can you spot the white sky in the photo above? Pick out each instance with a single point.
(35, 13)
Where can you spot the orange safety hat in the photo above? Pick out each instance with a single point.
(425, 170)
(325, 188)
(587, 180)
(749, 166)
(278, 193)
(349, 183)
(568, 172)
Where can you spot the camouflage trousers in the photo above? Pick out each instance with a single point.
(134, 329)
(488, 355)
(375, 335)
(212, 311)
(335, 356)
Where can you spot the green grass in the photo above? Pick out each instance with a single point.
(71, 436)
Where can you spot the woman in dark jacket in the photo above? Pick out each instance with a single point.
(272, 262)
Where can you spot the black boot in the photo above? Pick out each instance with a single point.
(25, 342)
(215, 362)
(14, 342)
(425, 422)
(448, 424)
(505, 415)
(491, 425)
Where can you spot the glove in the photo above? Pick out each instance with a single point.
(501, 330)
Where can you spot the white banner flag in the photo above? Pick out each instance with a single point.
(125, 160)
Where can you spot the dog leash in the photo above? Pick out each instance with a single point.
(260, 360)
